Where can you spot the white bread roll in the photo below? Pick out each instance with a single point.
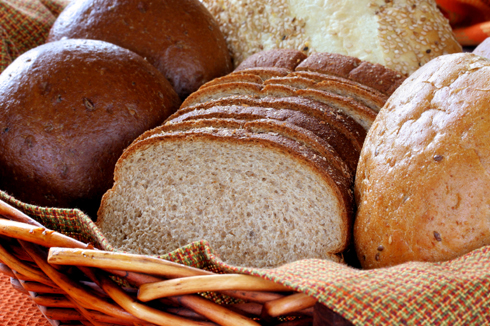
(423, 182)
(400, 34)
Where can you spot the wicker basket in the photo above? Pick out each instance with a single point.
(75, 284)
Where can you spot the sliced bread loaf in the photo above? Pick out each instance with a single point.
(259, 198)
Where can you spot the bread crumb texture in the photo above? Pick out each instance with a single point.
(400, 34)
(249, 201)
(422, 184)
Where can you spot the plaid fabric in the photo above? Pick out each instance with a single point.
(449, 293)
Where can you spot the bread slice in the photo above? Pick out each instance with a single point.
(234, 78)
(263, 120)
(260, 199)
(279, 58)
(358, 112)
(351, 90)
(265, 72)
(341, 131)
(370, 74)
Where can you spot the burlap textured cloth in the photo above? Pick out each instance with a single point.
(448, 293)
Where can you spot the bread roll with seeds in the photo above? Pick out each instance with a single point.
(260, 199)
(423, 181)
(400, 34)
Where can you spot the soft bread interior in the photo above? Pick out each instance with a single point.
(256, 205)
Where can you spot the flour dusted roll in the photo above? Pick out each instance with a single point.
(399, 34)
(422, 183)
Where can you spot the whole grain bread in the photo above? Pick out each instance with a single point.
(422, 184)
(179, 37)
(259, 198)
(69, 108)
(291, 124)
(348, 136)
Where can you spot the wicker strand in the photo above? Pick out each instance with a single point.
(13, 263)
(122, 261)
(289, 304)
(73, 289)
(205, 283)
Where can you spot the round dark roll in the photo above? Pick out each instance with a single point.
(67, 111)
(179, 37)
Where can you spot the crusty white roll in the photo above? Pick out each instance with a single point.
(423, 179)
(400, 34)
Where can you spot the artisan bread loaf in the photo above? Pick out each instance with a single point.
(259, 198)
(68, 109)
(400, 34)
(179, 37)
(422, 184)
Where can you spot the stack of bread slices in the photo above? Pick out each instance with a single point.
(260, 163)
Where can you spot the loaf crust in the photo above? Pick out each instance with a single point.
(422, 184)
(69, 108)
(370, 74)
(179, 37)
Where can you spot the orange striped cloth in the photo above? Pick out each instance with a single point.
(470, 19)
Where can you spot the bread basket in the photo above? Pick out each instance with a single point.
(74, 283)
(79, 280)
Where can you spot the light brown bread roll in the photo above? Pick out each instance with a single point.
(423, 182)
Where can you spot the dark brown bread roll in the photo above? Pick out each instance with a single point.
(179, 37)
(67, 111)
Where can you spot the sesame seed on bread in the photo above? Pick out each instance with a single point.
(402, 35)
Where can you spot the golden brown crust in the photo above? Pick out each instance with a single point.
(280, 58)
(422, 184)
(370, 74)
(73, 106)
(179, 37)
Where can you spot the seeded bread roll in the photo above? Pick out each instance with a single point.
(423, 181)
(259, 198)
(400, 34)
(179, 37)
(68, 109)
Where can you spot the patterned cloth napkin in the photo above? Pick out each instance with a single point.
(448, 293)
(470, 19)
